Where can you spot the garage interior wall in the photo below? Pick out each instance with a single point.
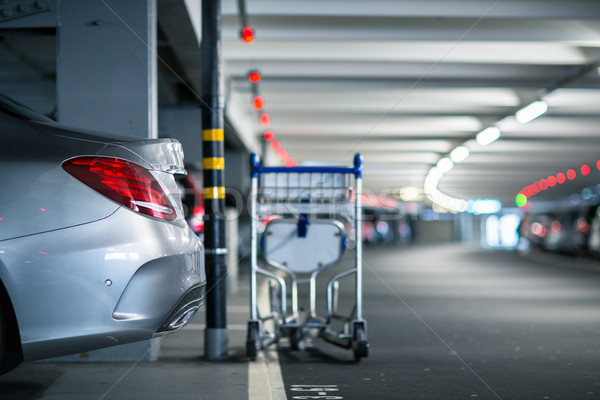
(106, 71)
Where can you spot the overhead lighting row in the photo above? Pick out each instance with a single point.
(258, 102)
(461, 153)
(551, 181)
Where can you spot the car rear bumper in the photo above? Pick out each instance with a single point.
(122, 279)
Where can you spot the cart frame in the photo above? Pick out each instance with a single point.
(354, 334)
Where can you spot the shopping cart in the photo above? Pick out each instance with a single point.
(300, 220)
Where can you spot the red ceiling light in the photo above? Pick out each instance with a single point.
(585, 169)
(265, 119)
(247, 35)
(275, 145)
(289, 162)
(269, 135)
(543, 184)
(551, 181)
(254, 77)
(258, 102)
(282, 154)
(598, 164)
(571, 174)
(560, 177)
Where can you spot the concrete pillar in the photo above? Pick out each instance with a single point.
(463, 228)
(106, 67)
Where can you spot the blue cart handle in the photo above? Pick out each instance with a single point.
(256, 168)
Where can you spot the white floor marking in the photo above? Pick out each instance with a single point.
(264, 377)
(265, 381)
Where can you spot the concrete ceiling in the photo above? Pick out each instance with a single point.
(404, 82)
(401, 81)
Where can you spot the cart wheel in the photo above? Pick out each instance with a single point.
(252, 342)
(360, 345)
(297, 339)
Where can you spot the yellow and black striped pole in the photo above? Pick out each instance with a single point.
(213, 151)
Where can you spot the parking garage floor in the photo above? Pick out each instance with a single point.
(445, 322)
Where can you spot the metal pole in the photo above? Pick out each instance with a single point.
(216, 336)
(358, 232)
(254, 246)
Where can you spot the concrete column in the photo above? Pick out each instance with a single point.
(463, 228)
(106, 67)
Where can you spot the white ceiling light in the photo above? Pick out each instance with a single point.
(459, 154)
(445, 164)
(531, 112)
(487, 136)
(410, 193)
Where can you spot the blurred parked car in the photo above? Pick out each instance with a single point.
(594, 237)
(539, 226)
(94, 248)
(561, 234)
(582, 230)
(192, 198)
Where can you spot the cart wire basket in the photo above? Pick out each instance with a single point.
(301, 217)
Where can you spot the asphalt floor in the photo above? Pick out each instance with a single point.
(444, 322)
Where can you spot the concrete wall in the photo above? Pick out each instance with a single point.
(428, 232)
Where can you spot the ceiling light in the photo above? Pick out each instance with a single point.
(521, 200)
(585, 169)
(459, 154)
(247, 35)
(275, 145)
(282, 154)
(258, 102)
(445, 164)
(410, 193)
(434, 174)
(269, 136)
(254, 77)
(265, 119)
(531, 112)
(487, 136)
(484, 206)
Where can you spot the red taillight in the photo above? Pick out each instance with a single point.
(538, 229)
(555, 226)
(197, 220)
(124, 182)
(582, 226)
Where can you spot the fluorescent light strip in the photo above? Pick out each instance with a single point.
(531, 112)
(445, 164)
(459, 154)
(487, 136)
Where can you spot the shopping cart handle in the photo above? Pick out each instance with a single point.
(256, 168)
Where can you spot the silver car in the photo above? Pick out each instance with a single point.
(94, 248)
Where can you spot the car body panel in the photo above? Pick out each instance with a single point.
(82, 271)
(30, 155)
